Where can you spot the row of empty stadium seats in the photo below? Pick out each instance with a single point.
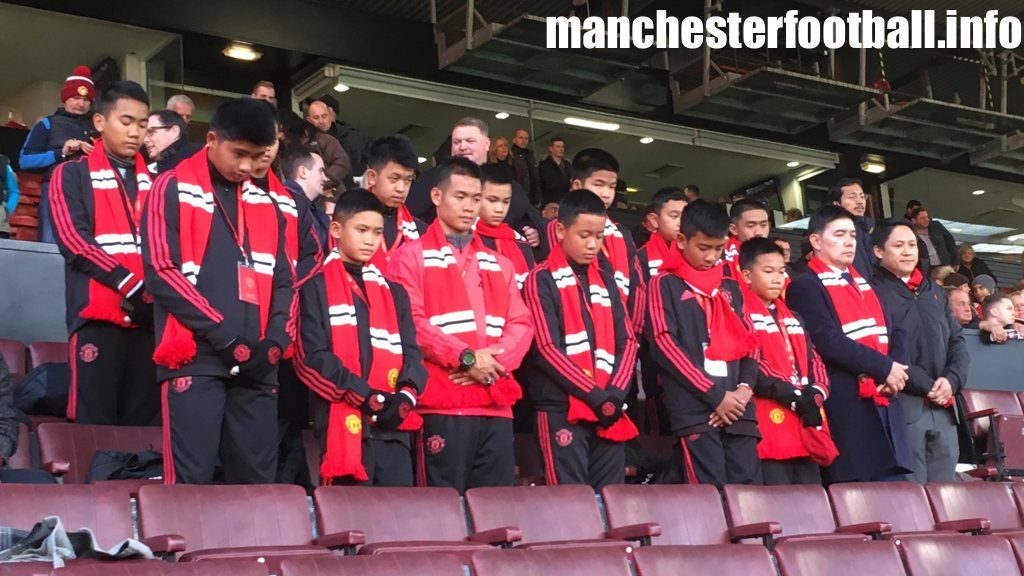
(21, 359)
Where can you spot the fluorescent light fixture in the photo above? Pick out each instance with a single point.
(646, 140)
(796, 224)
(632, 190)
(998, 249)
(1015, 237)
(594, 124)
(978, 192)
(792, 164)
(501, 115)
(340, 87)
(421, 159)
(242, 51)
(976, 230)
(872, 163)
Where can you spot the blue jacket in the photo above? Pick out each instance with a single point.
(866, 451)
(42, 149)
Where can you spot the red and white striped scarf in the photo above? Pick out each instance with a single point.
(659, 252)
(345, 423)
(196, 208)
(860, 315)
(447, 306)
(731, 258)
(406, 231)
(114, 232)
(596, 356)
(508, 242)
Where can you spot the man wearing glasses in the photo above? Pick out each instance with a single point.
(167, 141)
(848, 193)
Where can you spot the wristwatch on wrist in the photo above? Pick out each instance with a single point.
(467, 359)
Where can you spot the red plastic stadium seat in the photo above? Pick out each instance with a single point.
(993, 408)
(269, 522)
(68, 449)
(47, 352)
(838, 558)
(803, 511)
(13, 353)
(979, 502)
(104, 508)
(22, 457)
(687, 514)
(725, 559)
(540, 516)
(588, 561)
(25, 234)
(420, 564)
(24, 221)
(157, 568)
(395, 519)
(904, 505)
(959, 556)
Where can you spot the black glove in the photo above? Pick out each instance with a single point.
(375, 402)
(265, 357)
(605, 406)
(396, 410)
(786, 394)
(139, 308)
(808, 408)
(238, 352)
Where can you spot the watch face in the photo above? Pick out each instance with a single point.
(468, 358)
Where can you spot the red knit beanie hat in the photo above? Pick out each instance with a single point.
(78, 84)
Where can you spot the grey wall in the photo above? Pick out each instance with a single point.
(31, 292)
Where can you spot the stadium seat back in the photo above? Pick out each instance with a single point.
(1002, 400)
(588, 561)
(226, 516)
(801, 509)
(902, 504)
(963, 500)
(958, 556)
(391, 514)
(726, 560)
(418, 563)
(77, 443)
(48, 352)
(13, 353)
(688, 514)
(543, 513)
(158, 568)
(103, 508)
(838, 558)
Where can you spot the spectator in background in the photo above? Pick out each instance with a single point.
(167, 141)
(911, 206)
(356, 144)
(526, 165)
(787, 252)
(554, 172)
(959, 282)
(800, 265)
(938, 356)
(264, 90)
(793, 214)
(848, 193)
(67, 134)
(500, 154)
(1018, 306)
(692, 192)
(304, 175)
(183, 105)
(960, 306)
(336, 161)
(998, 309)
(550, 211)
(939, 245)
(9, 195)
(940, 274)
(982, 287)
(971, 266)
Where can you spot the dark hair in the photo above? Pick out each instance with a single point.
(705, 217)
(835, 193)
(455, 166)
(744, 205)
(556, 139)
(917, 212)
(391, 149)
(754, 248)
(956, 280)
(244, 119)
(295, 157)
(826, 215)
(883, 230)
(664, 196)
(171, 118)
(913, 204)
(578, 202)
(356, 201)
(493, 173)
(588, 161)
(991, 301)
(693, 188)
(120, 90)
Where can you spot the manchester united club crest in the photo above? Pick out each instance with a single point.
(777, 415)
(83, 91)
(241, 354)
(375, 402)
(88, 352)
(434, 444)
(608, 408)
(693, 437)
(393, 378)
(181, 384)
(274, 355)
(563, 437)
(354, 424)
